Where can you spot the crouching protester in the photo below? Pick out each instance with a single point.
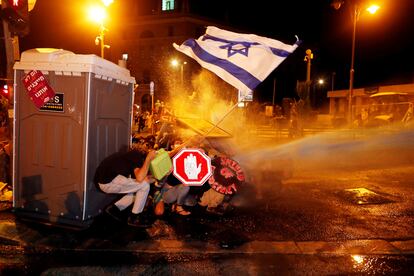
(127, 173)
(173, 193)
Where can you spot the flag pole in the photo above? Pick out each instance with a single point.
(224, 117)
(173, 152)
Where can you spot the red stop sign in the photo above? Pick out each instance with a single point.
(192, 167)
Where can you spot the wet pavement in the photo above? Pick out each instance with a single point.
(303, 217)
(307, 223)
(121, 263)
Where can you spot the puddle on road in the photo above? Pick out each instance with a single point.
(381, 265)
(363, 196)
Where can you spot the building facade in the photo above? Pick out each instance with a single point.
(338, 99)
(145, 40)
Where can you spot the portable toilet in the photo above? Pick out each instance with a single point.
(58, 146)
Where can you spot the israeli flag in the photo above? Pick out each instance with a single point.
(242, 60)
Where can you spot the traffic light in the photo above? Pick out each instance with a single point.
(16, 13)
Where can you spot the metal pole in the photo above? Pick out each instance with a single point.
(222, 118)
(352, 70)
(308, 58)
(101, 38)
(182, 74)
(11, 45)
(308, 71)
(152, 115)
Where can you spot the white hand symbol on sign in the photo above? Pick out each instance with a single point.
(190, 167)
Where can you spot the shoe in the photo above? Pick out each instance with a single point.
(136, 220)
(114, 212)
(180, 211)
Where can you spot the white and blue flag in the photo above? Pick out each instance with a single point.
(242, 60)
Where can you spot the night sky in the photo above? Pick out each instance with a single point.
(384, 41)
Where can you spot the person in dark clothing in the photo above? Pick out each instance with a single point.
(126, 173)
(141, 122)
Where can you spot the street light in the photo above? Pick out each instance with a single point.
(107, 2)
(308, 58)
(176, 63)
(318, 88)
(336, 4)
(98, 15)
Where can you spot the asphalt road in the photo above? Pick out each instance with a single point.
(319, 205)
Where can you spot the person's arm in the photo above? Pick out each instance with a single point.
(174, 151)
(195, 140)
(141, 173)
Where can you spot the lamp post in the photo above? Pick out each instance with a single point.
(100, 39)
(352, 70)
(176, 63)
(336, 4)
(308, 58)
(98, 15)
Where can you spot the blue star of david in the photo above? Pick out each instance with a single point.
(242, 48)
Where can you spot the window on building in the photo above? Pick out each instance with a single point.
(167, 5)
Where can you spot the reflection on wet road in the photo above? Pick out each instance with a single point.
(117, 263)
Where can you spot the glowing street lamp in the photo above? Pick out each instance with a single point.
(176, 63)
(107, 2)
(98, 15)
(336, 4)
(373, 9)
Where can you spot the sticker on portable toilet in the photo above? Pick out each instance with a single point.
(38, 88)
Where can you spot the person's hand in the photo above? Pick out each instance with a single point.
(149, 179)
(190, 167)
(151, 155)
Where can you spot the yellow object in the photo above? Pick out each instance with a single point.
(161, 165)
(31, 4)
